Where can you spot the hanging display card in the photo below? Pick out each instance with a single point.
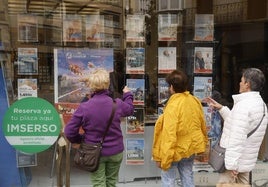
(134, 151)
(202, 87)
(135, 60)
(203, 60)
(135, 28)
(137, 87)
(27, 61)
(167, 27)
(135, 123)
(166, 59)
(27, 88)
(204, 27)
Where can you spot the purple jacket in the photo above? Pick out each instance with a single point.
(94, 115)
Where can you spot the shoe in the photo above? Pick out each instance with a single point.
(265, 160)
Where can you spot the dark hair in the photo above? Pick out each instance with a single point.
(255, 78)
(179, 80)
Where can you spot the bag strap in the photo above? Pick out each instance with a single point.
(249, 134)
(110, 121)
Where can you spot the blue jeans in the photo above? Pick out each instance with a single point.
(185, 168)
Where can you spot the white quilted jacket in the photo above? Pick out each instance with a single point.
(242, 152)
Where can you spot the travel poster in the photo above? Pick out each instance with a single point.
(135, 60)
(95, 28)
(72, 67)
(167, 59)
(163, 91)
(203, 60)
(202, 87)
(135, 28)
(134, 151)
(72, 28)
(27, 61)
(167, 27)
(135, 123)
(204, 27)
(27, 88)
(137, 87)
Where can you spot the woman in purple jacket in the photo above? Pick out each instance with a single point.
(93, 117)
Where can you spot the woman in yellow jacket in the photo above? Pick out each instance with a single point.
(180, 133)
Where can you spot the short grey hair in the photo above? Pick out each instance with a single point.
(255, 78)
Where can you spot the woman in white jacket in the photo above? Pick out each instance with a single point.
(248, 109)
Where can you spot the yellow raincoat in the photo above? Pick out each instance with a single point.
(180, 131)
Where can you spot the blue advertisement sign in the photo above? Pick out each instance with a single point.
(9, 173)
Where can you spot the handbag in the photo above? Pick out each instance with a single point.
(216, 157)
(87, 156)
(217, 153)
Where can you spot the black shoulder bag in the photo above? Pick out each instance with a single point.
(88, 155)
(217, 153)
